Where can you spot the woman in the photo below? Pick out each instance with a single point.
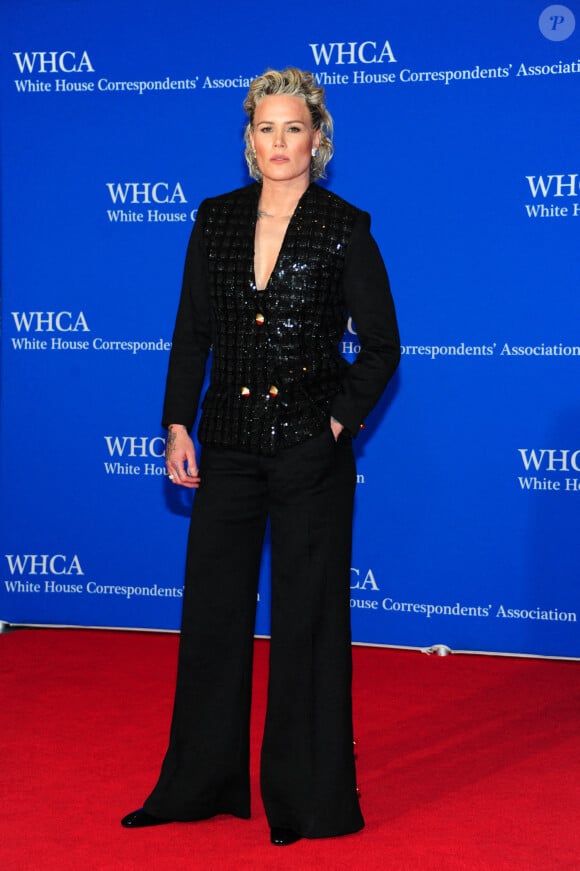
(271, 274)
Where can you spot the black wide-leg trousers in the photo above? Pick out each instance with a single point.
(307, 764)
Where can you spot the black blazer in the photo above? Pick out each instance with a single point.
(277, 375)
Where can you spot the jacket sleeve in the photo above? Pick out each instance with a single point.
(367, 293)
(191, 337)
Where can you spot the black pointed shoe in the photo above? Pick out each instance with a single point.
(283, 837)
(140, 819)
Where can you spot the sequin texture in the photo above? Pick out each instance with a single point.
(285, 336)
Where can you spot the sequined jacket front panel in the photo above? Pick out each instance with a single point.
(276, 364)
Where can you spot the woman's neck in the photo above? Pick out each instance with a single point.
(280, 200)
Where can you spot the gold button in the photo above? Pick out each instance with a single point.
(245, 391)
(260, 319)
(273, 391)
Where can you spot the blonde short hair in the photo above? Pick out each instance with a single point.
(291, 82)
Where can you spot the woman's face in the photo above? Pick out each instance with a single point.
(283, 138)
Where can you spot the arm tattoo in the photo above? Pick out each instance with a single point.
(170, 444)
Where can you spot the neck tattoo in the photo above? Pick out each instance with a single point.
(263, 214)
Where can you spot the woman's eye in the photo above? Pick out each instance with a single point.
(265, 129)
(294, 129)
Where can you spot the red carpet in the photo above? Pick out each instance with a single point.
(464, 762)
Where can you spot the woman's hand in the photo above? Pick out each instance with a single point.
(336, 428)
(180, 458)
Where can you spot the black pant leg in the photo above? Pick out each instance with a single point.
(206, 768)
(308, 773)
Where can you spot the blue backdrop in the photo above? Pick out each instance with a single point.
(457, 127)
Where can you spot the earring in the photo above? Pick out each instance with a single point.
(314, 152)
